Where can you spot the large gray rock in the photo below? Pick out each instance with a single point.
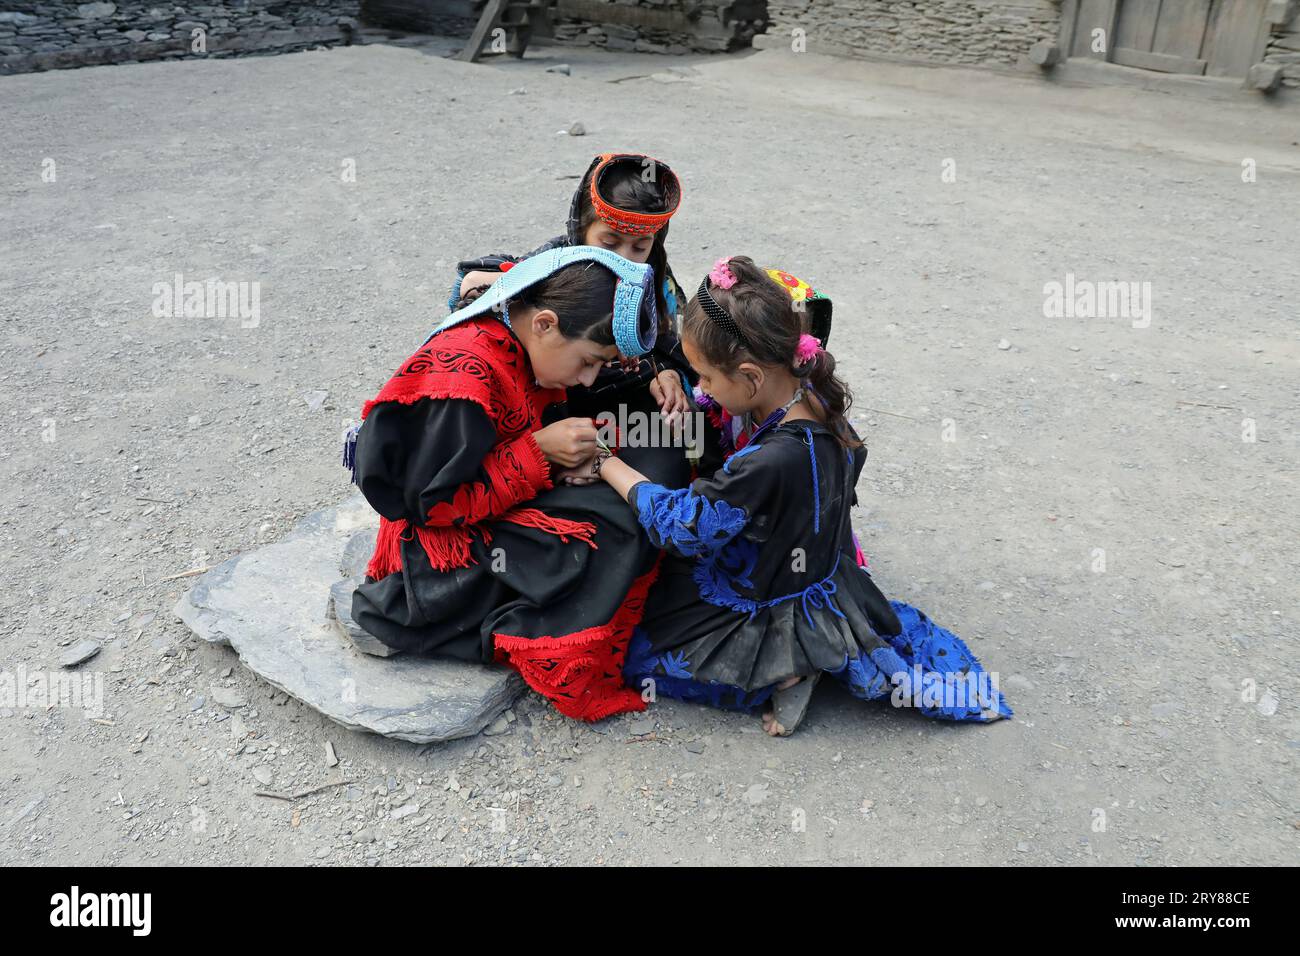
(357, 552)
(271, 606)
(340, 612)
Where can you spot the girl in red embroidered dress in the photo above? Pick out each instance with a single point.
(480, 554)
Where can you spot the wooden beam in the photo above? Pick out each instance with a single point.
(1160, 62)
(1110, 21)
(487, 21)
(1069, 23)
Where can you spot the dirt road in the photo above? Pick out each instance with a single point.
(1079, 497)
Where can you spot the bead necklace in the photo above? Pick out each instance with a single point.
(776, 416)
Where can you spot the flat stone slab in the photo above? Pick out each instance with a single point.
(357, 552)
(341, 614)
(272, 606)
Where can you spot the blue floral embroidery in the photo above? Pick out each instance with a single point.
(930, 654)
(862, 677)
(737, 561)
(919, 658)
(639, 659)
(642, 664)
(674, 665)
(690, 524)
(718, 580)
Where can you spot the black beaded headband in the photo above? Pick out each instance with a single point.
(720, 316)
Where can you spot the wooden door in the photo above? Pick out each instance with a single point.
(1198, 37)
(1236, 37)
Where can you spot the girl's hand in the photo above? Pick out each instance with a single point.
(567, 443)
(581, 474)
(667, 391)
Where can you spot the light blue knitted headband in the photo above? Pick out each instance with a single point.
(636, 321)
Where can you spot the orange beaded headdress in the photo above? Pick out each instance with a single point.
(650, 170)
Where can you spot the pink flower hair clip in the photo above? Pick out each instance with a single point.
(807, 348)
(721, 275)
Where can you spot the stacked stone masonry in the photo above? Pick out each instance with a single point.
(43, 36)
(975, 32)
(1284, 49)
(697, 25)
(50, 35)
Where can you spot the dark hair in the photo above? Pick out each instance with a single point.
(623, 187)
(582, 295)
(771, 322)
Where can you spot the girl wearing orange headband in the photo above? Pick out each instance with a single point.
(623, 203)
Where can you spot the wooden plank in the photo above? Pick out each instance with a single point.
(1161, 62)
(1069, 22)
(482, 30)
(1136, 29)
(1180, 30)
(1093, 15)
(1232, 44)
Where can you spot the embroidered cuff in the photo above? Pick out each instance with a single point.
(533, 463)
(690, 524)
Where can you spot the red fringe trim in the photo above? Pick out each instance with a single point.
(582, 673)
(536, 468)
(448, 547)
(388, 550)
(563, 528)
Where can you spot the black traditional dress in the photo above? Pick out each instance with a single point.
(763, 582)
(479, 556)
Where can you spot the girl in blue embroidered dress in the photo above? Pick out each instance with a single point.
(762, 588)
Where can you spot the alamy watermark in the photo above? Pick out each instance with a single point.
(22, 689)
(652, 430)
(946, 690)
(1085, 299)
(213, 299)
(130, 910)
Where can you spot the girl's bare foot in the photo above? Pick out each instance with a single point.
(770, 725)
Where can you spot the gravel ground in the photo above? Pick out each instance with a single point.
(1072, 495)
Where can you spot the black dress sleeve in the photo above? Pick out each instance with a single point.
(413, 457)
(494, 262)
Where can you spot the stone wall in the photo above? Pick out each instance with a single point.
(51, 35)
(974, 32)
(1284, 46)
(661, 26)
(646, 26)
